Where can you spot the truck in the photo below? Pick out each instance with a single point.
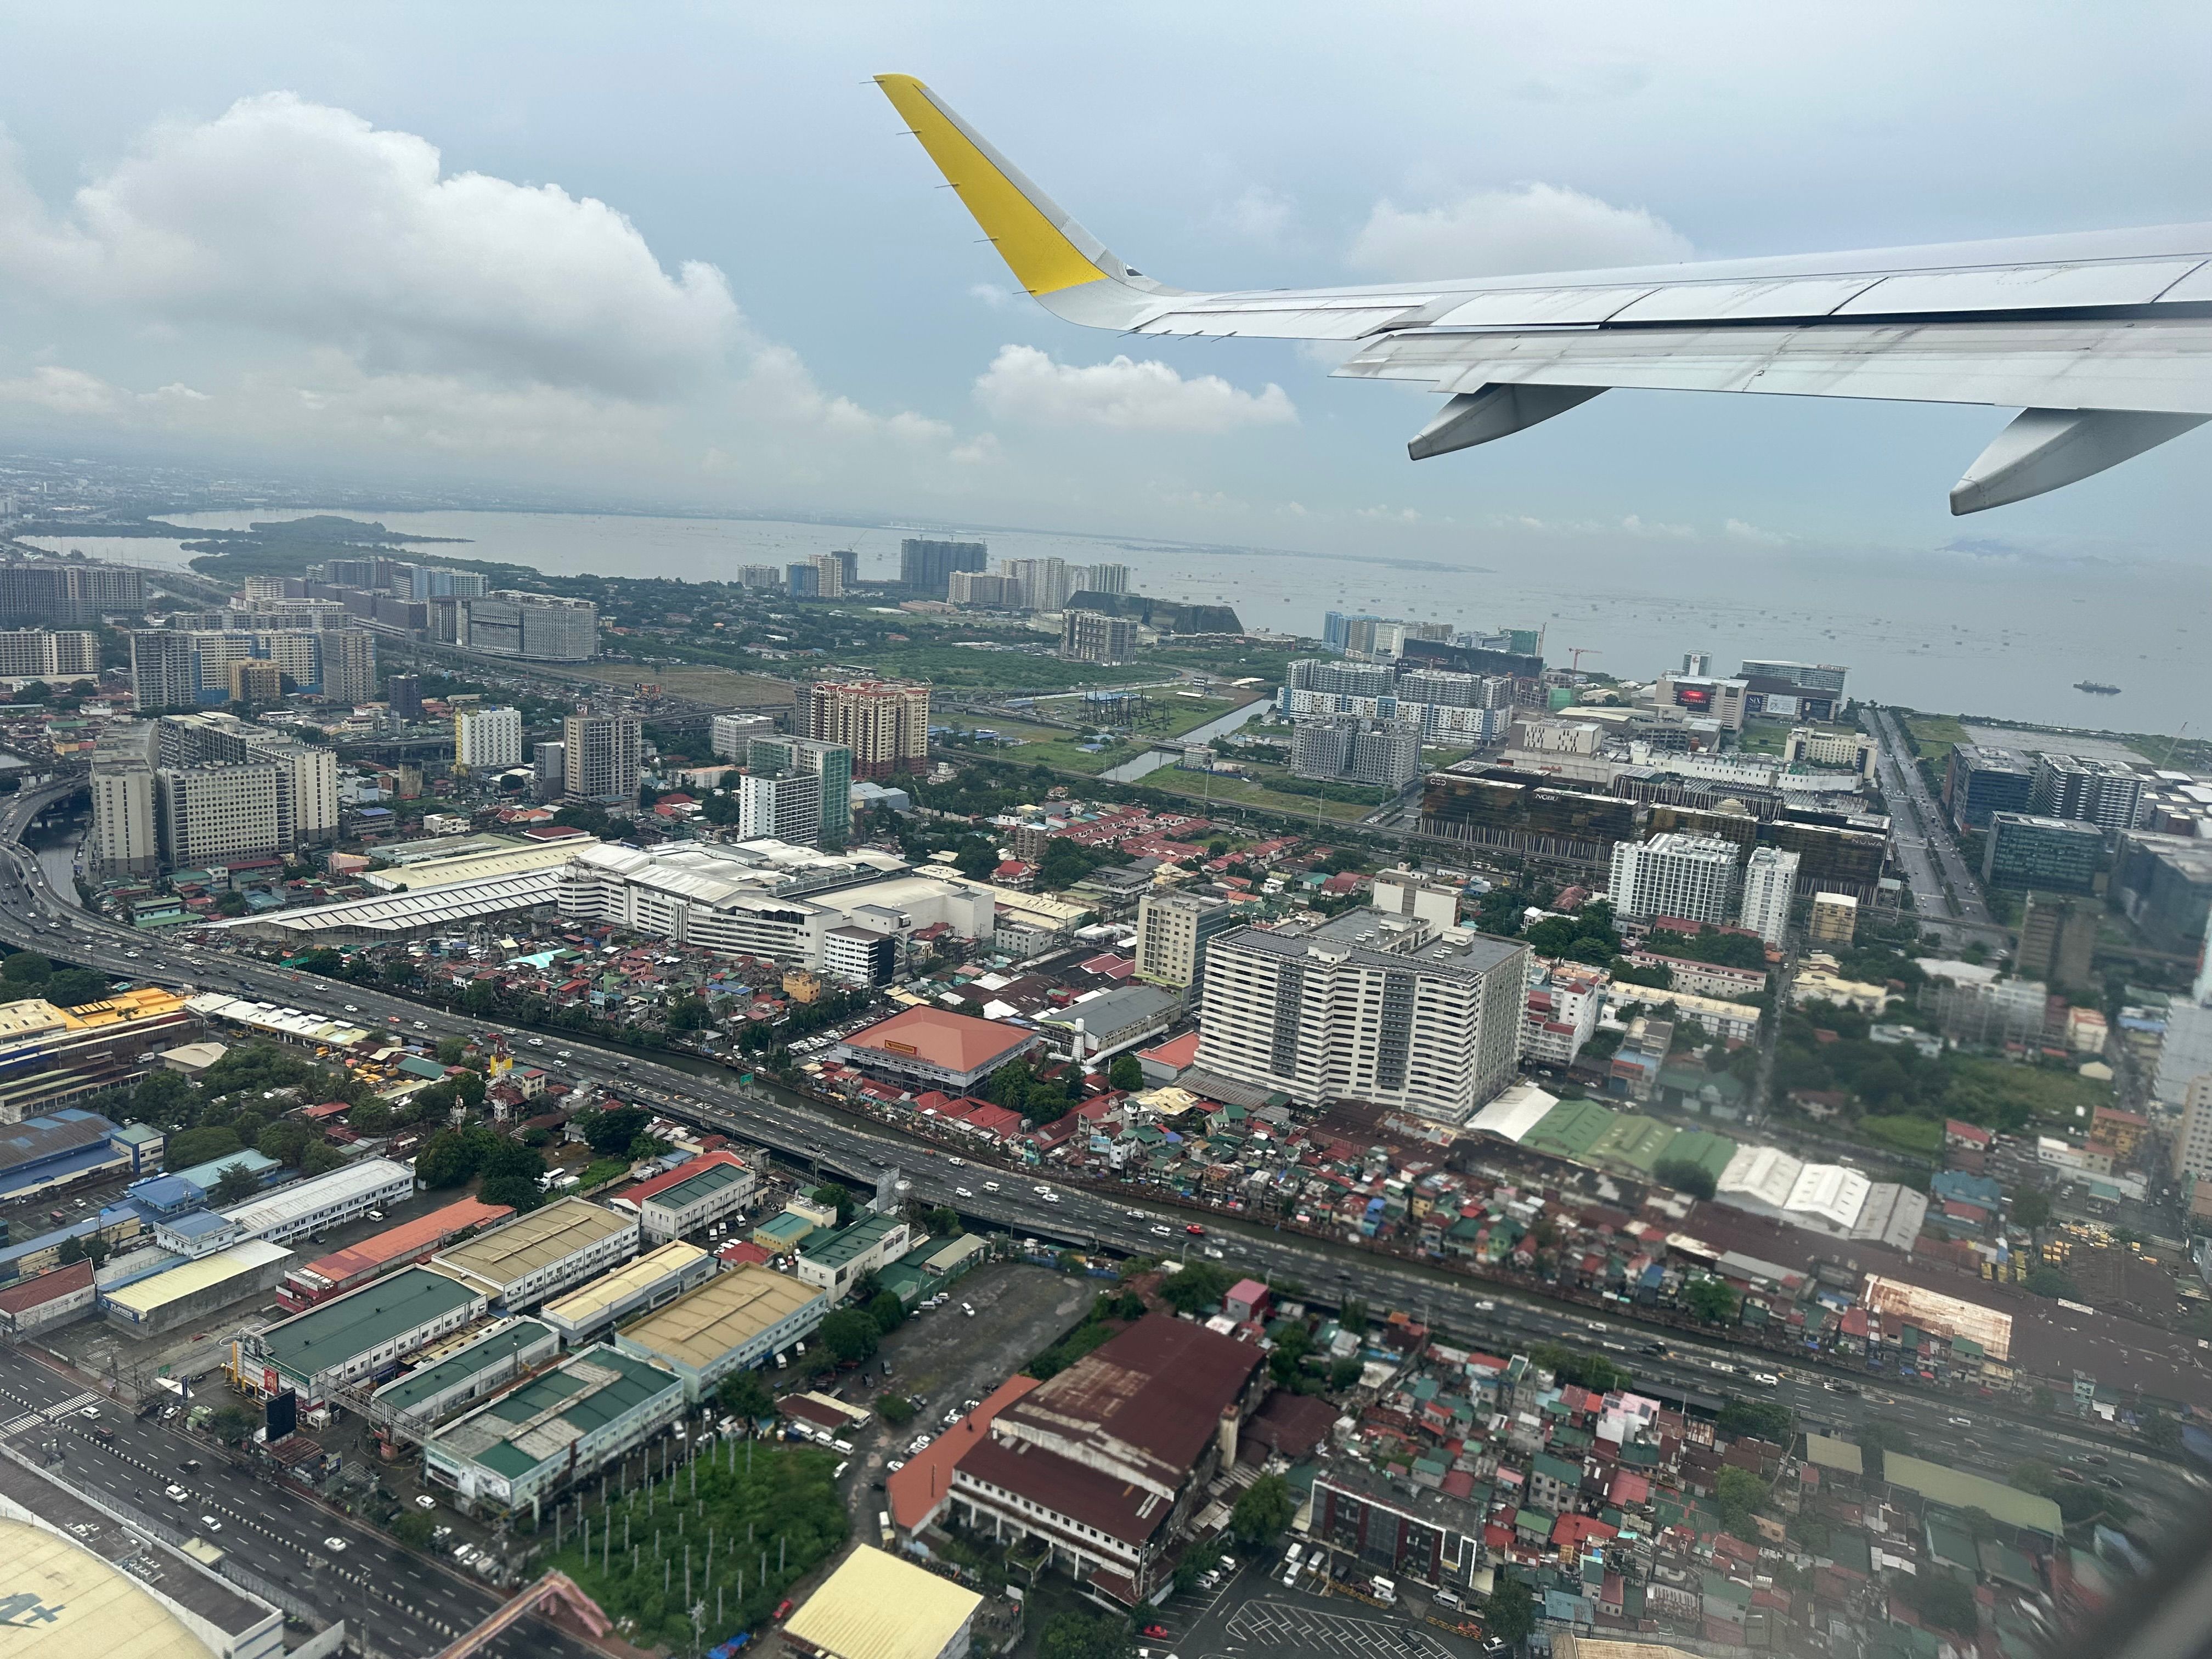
(884, 1527)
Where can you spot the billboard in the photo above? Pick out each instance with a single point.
(283, 1415)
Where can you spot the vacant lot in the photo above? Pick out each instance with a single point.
(699, 680)
(1935, 735)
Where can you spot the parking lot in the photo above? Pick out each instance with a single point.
(1252, 1613)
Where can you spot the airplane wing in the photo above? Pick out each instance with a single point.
(2103, 339)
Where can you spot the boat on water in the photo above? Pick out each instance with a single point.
(2097, 688)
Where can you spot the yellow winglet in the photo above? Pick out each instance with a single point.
(1027, 229)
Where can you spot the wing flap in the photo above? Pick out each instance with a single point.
(2161, 365)
(2019, 288)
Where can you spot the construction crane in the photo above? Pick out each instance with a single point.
(1578, 651)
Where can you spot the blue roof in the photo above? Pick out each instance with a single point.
(165, 1193)
(15, 1253)
(65, 1168)
(199, 1225)
(55, 1135)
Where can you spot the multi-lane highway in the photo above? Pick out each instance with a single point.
(817, 1137)
(1933, 863)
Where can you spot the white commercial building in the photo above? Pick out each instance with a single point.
(783, 807)
(1410, 893)
(45, 653)
(520, 1263)
(1825, 1198)
(324, 1200)
(730, 733)
(487, 739)
(124, 841)
(1692, 877)
(1770, 882)
(537, 626)
(1372, 1008)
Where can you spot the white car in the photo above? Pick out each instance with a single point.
(89, 1411)
(426, 1502)
(210, 1523)
(1042, 1191)
(175, 1494)
(990, 1186)
(350, 1009)
(1163, 1232)
(896, 1465)
(334, 1546)
(961, 1192)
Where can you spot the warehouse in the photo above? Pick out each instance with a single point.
(563, 1425)
(691, 1196)
(736, 1320)
(877, 1606)
(310, 1205)
(654, 1279)
(836, 1261)
(540, 1254)
(53, 1298)
(50, 1056)
(350, 1339)
(184, 1293)
(41, 1154)
(451, 1375)
(395, 1247)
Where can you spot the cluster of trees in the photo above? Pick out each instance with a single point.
(511, 1170)
(802, 1020)
(1710, 1299)
(1108, 1315)
(1588, 936)
(1587, 1370)
(226, 1110)
(1686, 1175)
(1738, 1495)
(1018, 1088)
(27, 974)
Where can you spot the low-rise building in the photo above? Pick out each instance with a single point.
(344, 1342)
(735, 1320)
(877, 1605)
(937, 1049)
(380, 1253)
(448, 1376)
(321, 1201)
(691, 1196)
(835, 1261)
(656, 1277)
(561, 1427)
(147, 1307)
(540, 1254)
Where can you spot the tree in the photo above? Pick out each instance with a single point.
(372, 1117)
(1739, 1494)
(1939, 1599)
(25, 968)
(742, 1393)
(1710, 1299)
(1880, 1434)
(830, 1195)
(451, 1051)
(1343, 1373)
(1512, 1611)
(944, 1222)
(194, 1146)
(73, 988)
(888, 1312)
(234, 1184)
(687, 1014)
(416, 1530)
(162, 1098)
(895, 1409)
(1199, 1284)
(284, 1141)
(449, 1159)
(2031, 1208)
(1125, 1073)
(2050, 1281)
(1009, 1086)
(320, 1159)
(1685, 1175)
(609, 1132)
(1762, 1420)
(1084, 1636)
(849, 1334)
(1352, 1314)
(92, 1247)
(232, 1425)
(1264, 1512)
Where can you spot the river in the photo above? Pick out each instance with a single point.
(1952, 632)
(1152, 759)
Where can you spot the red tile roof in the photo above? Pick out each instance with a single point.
(680, 1174)
(958, 1042)
(1177, 1051)
(915, 1490)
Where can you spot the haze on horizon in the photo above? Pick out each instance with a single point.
(686, 258)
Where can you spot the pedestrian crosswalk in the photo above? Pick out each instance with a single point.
(75, 1402)
(17, 1425)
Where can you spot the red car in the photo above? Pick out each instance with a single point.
(1196, 1231)
(1157, 1632)
(783, 1610)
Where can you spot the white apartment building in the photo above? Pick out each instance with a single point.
(123, 838)
(487, 739)
(1561, 1015)
(537, 626)
(208, 814)
(1692, 877)
(47, 654)
(2192, 1142)
(1410, 893)
(782, 807)
(1854, 751)
(601, 756)
(732, 733)
(1384, 1009)
(1770, 882)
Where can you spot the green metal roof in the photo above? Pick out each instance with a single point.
(691, 1190)
(457, 1367)
(1570, 1129)
(1961, 1491)
(847, 1243)
(327, 1336)
(584, 1404)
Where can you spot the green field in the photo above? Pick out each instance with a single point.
(1218, 786)
(1935, 735)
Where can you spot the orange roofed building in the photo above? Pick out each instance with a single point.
(395, 1247)
(937, 1049)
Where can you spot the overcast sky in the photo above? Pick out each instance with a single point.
(684, 254)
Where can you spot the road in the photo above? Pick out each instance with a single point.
(1922, 841)
(827, 1141)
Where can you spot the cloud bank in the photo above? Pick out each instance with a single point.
(1495, 233)
(1024, 384)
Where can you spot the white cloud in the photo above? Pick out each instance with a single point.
(1258, 215)
(1024, 384)
(1737, 530)
(293, 218)
(993, 295)
(1656, 531)
(1530, 227)
(55, 390)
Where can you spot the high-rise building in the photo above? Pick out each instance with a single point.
(2057, 940)
(2192, 1142)
(885, 723)
(1978, 780)
(829, 573)
(548, 770)
(832, 763)
(254, 681)
(2061, 855)
(2088, 789)
(1336, 628)
(601, 757)
(804, 580)
(208, 814)
(1094, 636)
(1105, 579)
(1353, 748)
(1344, 679)
(926, 566)
(487, 739)
(759, 577)
(431, 581)
(164, 672)
(69, 594)
(1832, 920)
(1703, 695)
(124, 840)
(537, 627)
(783, 806)
(987, 590)
(303, 792)
(403, 695)
(47, 654)
(1823, 678)
(1041, 584)
(349, 664)
(848, 568)
(1172, 933)
(1692, 877)
(1770, 882)
(729, 734)
(1384, 1011)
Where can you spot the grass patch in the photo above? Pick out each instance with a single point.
(1906, 1134)
(687, 679)
(1935, 735)
(2051, 1094)
(1218, 786)
(782, 1503)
